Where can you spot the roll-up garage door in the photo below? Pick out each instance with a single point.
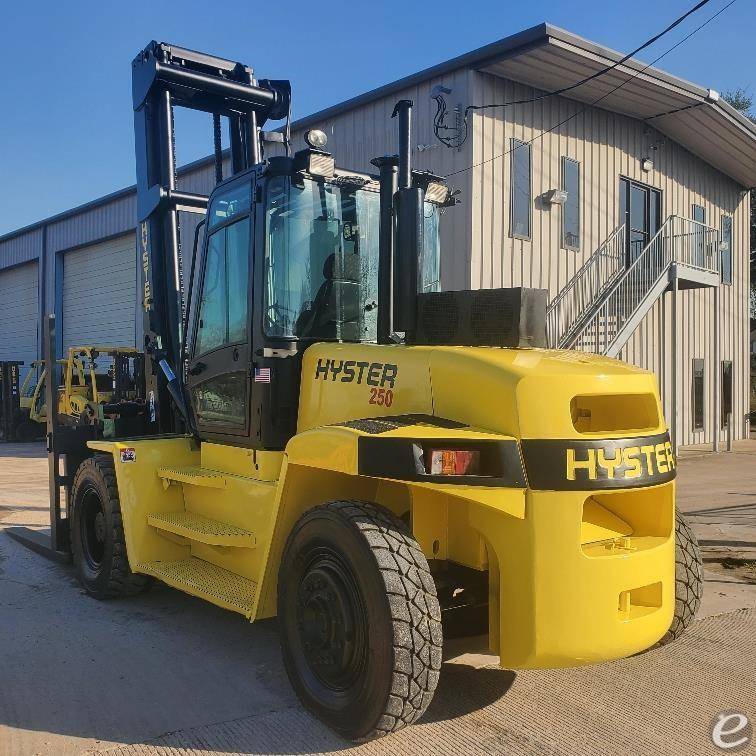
(99, 294)
(19, 313)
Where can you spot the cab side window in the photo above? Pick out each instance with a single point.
(218, 370)
(223, 307)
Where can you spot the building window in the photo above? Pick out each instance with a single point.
(699, 213)
(571, 208)
(726, 391)
(521, 190)
(697, 399)
(726, 255)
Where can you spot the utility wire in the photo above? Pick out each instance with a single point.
(603, 97)
(458, 140)
(606, 70)
(674, 110)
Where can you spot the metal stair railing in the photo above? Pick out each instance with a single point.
(679, 240)
(579, 296)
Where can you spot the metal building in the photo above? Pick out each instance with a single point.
(626, 198)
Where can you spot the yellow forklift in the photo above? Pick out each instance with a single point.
(87, 392)
(102, 385)
(330, 440)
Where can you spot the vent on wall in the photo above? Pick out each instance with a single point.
(487, 317)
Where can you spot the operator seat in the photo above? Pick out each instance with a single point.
(338, 295)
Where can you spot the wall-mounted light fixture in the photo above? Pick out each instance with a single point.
(555, 197)
(647, 165)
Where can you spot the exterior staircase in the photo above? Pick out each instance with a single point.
(606, 300)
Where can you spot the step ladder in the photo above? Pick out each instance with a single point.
(193, 575)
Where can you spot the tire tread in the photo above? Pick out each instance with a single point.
(414, 607)
(121, 580)
(688, 579)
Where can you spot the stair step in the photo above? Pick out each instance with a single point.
(202, 529)
(195, 476)
(212, 583)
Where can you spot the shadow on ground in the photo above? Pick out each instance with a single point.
(77, 671)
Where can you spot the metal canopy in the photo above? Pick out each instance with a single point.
(552, 58)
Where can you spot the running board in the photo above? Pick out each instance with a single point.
(38, 541)
(207, 581)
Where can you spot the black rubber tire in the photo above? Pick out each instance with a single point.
(108, 575)
(398, 618)
(688, 579)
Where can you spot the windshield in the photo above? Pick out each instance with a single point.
(321, 259)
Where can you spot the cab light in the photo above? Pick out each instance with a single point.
(452, 462)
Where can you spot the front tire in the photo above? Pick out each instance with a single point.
(360, 620)
(97, 540)
(688, 579)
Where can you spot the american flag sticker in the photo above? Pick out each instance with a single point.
(262, 375)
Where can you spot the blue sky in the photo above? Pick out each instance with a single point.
(66, 132)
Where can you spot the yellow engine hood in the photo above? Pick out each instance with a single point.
(526, 393)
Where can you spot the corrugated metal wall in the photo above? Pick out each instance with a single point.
(18, 313)
(608, 146)
(21, 248)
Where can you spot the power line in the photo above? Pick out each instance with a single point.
(459, 140)
(606, 70)
(603, 97)
(674, 110)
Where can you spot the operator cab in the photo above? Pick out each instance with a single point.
(290, 257)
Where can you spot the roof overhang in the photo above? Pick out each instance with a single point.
(551, 58)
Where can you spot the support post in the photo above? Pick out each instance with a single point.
(717, 399)
(674, 420)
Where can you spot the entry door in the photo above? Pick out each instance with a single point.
(219, 368)
(640, 209)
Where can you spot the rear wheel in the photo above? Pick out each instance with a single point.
(360, 620)
(688, 579)
(97, 540)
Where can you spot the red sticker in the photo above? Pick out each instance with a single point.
(128, 454)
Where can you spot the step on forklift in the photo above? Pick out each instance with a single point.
(330, 440)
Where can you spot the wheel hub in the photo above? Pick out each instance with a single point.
(331, 623)
(93, 529)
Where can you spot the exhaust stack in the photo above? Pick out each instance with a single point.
(408, 214)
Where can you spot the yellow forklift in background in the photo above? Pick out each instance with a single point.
(101, 384)
(328, 439)
(93, 379)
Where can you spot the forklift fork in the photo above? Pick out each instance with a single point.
(56, 544)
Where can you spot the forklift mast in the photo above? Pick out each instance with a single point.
(165, 76)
